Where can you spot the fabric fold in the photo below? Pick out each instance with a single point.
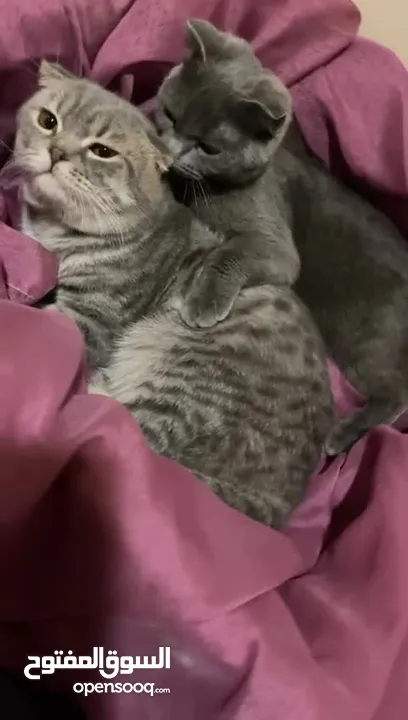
(105, 544)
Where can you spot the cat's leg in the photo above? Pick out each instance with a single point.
(377, 411)
(242, 260)
(210, 293)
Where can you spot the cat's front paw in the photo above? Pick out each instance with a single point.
(208, 300)
(200, 311)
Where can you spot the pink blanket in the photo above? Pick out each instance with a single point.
(105, 544)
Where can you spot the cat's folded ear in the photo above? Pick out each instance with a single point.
(163, 159)
(50, 71)
(266, 110)
(205, 42)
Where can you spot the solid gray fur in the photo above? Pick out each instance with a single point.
(229, 137)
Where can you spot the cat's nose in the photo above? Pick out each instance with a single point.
(56, 155)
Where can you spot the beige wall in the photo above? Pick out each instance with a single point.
(386, 21)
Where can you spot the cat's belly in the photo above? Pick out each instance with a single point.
(245, 404)
(266, 332)
(143, 355)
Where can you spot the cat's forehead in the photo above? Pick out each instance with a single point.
(208, 87)
(232, 72)
(87, 110)
(203, 105)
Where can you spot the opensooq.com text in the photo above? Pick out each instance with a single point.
(148, 688)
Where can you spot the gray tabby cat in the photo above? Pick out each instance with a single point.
(354, 263)
(246, 404)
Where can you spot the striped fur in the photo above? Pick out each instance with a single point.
(245, 404)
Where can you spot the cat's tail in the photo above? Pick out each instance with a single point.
(377, 411)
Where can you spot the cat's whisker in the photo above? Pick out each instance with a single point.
(195, 195)
(187, 172)
(108, 218)
(10, 166)
(35, 64)
(58, 53)
(204, 194)
(4, 144)
(106, 193)
(94, 191)
(33, 70)
(92, 195)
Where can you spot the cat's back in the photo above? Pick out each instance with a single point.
(325, 214)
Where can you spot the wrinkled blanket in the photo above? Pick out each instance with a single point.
(104, 544)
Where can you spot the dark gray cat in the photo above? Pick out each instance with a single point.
(231, 145)
(354, 263)
(245, 404)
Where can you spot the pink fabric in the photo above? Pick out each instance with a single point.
(103, 543)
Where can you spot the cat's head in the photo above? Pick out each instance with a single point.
(221, 114)
(87, 157)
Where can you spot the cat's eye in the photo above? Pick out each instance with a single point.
(208, 149)
(102, 151)
(47, 120)
(169, 115)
